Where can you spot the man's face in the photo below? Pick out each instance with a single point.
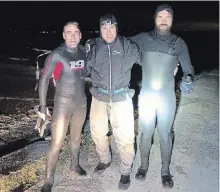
(164, 21)
(72, 35)
(108, 33)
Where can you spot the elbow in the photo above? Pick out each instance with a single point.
(43, 82)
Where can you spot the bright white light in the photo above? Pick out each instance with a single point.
(156, 85)
(151, 100)
(149, 103)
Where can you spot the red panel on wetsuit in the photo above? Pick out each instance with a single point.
(47, 66)
(57, 71)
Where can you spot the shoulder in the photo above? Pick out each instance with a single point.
(138, 38)
(181, 43)
(55, 52)
(81, 47)
(143, 34)
(58, 50)
(125, 41)
(127, 44)
(176, 38)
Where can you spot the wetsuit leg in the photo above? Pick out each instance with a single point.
(147, 118)
(76, 124)
(60, 122)
(164, 125)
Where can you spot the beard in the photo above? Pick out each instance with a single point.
(163, 31)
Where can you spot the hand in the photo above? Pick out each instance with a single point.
(88, 79)
(42, 112)
(43, 119)
(187, 79)
(41, 115)
(186, 85)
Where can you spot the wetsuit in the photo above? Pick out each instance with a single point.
(157, 101)
(67, 68)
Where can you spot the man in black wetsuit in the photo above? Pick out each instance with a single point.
(66, 64)
(161, 51)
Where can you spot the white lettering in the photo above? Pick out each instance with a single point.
(77, 65)
(116, 52)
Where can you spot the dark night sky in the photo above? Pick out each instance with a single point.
(130, 14)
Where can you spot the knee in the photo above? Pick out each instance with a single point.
(75, 139)
(126, 141)
(99, 139)
(98, 131)
(130, 148)
(147, 133)
(55, 148)
(126, 148)
(165, 135)
(81, 112)
(96, 124)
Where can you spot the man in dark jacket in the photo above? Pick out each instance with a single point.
(66, 64)
(161, 51)
(109, 61)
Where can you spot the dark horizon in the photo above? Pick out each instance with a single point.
(138, 14)
(201, 38)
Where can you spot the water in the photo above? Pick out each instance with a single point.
(203, 46)
(18, 144)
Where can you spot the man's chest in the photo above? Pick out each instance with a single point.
(151, 44)
(73, 62)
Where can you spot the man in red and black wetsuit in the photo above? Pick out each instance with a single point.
(66, 65)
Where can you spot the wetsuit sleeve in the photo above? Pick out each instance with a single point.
(184, 59)
(49, 66)
(138, 40)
